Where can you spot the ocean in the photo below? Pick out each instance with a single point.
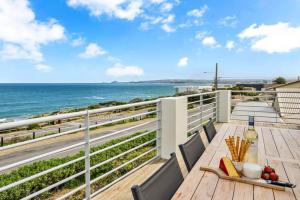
(19, 101)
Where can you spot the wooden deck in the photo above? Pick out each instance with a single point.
(278, 147)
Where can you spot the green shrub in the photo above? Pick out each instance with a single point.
(279, 80)
(41, 182)
(33, 126)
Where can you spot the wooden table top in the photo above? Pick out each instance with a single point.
(280, 148)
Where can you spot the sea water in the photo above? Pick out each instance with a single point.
(24, 100)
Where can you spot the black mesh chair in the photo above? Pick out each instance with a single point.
(210, 130)
(162, 185)
(192, 150)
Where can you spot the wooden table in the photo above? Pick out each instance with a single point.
(279, 148)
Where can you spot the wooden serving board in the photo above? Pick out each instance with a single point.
(222, 175)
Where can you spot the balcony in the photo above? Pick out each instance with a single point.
(101, 153)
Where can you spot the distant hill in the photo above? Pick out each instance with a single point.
(199, 81)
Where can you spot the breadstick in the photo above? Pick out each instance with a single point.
(237, 145)
(231, 149)
(241, 150)
(234, 149)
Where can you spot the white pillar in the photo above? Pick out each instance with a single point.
(173, 125)
(224, 106)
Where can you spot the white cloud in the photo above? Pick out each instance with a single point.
(228, 21)
(183, 62)
(209, 41)
(198, 12)
(194, 17)
(166, 7)
(77, 42)
(230, 45)
(151, 21)
(92, 50)
(164, 21)
(169, 19)
(16, 51)
(119, 70)
(189, 23)
(122, 9)
(153, 12)
(276, 38)
(157, 1)
(144, 26)
(168, 28)
(21, 34)
(201, 34)
(43, 68)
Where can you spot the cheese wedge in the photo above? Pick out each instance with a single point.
(227, 166)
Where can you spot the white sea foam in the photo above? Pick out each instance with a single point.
(3, 120)
(94, 97)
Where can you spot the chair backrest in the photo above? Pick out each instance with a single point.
(192, 150)
(210, 130)
(162, 185)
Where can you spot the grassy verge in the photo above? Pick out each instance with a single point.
(41, 182)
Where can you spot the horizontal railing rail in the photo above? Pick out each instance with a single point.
(93, 145)
(263, 92)
(147, 126)
(201, 108)
(280, 106)
(26, 122)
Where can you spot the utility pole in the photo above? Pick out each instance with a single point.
(216, 77)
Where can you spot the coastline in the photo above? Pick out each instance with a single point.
(69, 110)
(23, 101)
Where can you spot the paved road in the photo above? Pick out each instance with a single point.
(262, 111)
(28, 151)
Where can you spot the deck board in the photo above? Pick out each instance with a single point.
(291, 142)
(296, 135)
(282, 148)
(269, 143)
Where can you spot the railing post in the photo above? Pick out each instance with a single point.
(223, 106)
(158, 132)
(201, 110)
(174, 120)
(216, 106)
(87, 157)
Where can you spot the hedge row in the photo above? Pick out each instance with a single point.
(41, 182)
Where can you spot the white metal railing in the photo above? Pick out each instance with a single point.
(275, 107)
(201, 108)
(86, 145)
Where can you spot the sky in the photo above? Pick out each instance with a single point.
(88, 41)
